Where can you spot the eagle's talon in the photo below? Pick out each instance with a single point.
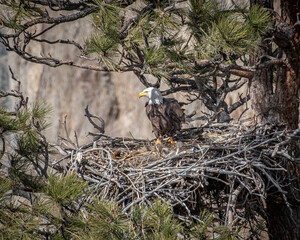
(170, 140)
(158, 142)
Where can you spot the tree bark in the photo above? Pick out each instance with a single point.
(277, 103)
(274, 91)
(274, 96)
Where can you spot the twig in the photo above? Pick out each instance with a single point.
(231, 162)
(101, 128)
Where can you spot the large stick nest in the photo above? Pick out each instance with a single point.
(231, 169)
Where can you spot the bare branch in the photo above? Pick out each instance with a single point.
(101, 128)
(231, 159)
(239, 103)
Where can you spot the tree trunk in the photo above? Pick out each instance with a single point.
(274, 95)
(279, 103)
(274, 90)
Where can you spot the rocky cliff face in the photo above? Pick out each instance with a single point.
(4, 76)
(114, 97)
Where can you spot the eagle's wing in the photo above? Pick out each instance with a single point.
(157, 118)
(166, 118)
(174, 114)
(174, 110)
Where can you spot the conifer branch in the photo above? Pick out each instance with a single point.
(149, 41)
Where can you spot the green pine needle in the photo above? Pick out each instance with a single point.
(105, 40)
(154, 56)
(64, 189)
(160, 222)
(233, 31)
(258, 20)
(21, 174)
(103, 45)
(234, 35)
(201, 15)
(39, 114)
(108, 16)
(202, 229)
(5, 186)
(8, 122)
(106, 221)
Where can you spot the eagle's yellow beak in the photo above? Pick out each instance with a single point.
(142, 94)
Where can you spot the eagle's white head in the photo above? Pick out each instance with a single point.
(153, 94)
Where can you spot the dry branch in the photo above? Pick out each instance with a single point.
(228, 168)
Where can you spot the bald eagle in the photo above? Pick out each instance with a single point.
(165, 114)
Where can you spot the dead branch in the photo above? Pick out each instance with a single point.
(101, 128)
(231, 161)
(23, 101)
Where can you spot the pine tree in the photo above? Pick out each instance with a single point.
(39, 201)
(184, 43)
(187, 44)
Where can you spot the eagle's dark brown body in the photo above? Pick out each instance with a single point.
(166, 118)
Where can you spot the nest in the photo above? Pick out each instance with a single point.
(230, 169)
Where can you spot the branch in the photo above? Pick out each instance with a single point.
(271, 63)
(238, 104)
(232, 204)
(298, 21)
(62, 41)
(16, 93)
(62, 19)
(64, 5)
(143, 79)
(101, 128)
(132, 21)
(177, 89)
(69, 140)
